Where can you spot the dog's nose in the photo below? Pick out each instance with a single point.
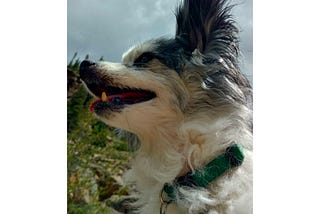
(85, 64)
(85, 67)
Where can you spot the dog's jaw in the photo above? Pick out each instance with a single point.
(140, 118)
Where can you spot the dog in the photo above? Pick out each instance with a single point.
(186, 103)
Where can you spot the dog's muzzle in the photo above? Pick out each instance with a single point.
(110, 96)
(86, 68)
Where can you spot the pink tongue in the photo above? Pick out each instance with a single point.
(126, 95)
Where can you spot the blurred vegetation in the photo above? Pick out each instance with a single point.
(97, 158)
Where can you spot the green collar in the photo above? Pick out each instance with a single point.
(232, 157)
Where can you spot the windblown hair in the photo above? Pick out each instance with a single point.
(209, 28)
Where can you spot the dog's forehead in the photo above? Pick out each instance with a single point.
(134, 52)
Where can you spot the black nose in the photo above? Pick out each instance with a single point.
(85, 64)
(85, 67)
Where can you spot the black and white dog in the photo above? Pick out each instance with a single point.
(186, 102)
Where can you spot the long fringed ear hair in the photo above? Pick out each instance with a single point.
(207, 25)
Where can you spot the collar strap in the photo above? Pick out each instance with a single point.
(232, 157)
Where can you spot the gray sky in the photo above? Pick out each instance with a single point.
(109, 27)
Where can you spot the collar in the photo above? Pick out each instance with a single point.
(232, 157)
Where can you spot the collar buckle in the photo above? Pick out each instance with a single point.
(165, 200)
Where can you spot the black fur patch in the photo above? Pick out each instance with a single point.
(143, 59)
(208, 26)
(171, 52)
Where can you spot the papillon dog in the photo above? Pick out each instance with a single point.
(188, 107)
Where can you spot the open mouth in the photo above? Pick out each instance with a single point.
(116, 98)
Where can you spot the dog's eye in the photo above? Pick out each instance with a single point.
(143, 59)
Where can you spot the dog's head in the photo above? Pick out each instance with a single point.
(163, 82)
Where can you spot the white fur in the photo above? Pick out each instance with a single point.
(232, 193)
(182, 129)
(174, 142)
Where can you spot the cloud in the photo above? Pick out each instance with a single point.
(109, 27)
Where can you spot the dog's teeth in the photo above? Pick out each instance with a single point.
(104, 97)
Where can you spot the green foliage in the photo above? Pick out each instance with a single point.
(97, 158)
(74, 64)
(88, 208)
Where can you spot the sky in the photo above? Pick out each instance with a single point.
(107, 28)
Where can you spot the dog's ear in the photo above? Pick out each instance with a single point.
(206, 25)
